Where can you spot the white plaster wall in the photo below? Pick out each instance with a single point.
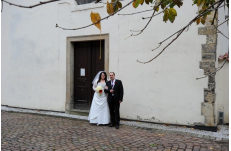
(165, 90)
(222, 76)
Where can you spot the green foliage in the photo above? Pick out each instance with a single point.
(167, 7)
(169, 14)
(113, 6)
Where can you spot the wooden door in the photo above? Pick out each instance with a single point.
(86, 65)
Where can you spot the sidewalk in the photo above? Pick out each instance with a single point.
(22, 131)
(222, 134)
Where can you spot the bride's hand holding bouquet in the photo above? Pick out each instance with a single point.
(99, 90)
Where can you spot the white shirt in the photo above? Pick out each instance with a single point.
(113, 84)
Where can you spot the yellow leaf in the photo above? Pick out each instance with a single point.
(95, 17)
(198, 21)
(141, 2)
(134, 4)
(157, 9)
(173, 11)
(109, 8)
(119, 4)
(166, 13)
(202, 21)
(147, 2)
(198, 2)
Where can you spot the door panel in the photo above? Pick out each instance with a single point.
(86, 65)
(97, 64)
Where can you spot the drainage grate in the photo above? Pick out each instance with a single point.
(221, 118)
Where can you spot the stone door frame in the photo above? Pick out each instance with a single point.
(69, 105)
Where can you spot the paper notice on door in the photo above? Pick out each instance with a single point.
(82, 72)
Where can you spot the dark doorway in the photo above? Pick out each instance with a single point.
(86, 65)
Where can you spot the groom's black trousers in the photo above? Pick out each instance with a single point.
(114, 111)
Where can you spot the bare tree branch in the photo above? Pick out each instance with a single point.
(154, 15)
(164, 47)
(181, 31)
(216, 13)
(149, 19)
(222, 34)
(144, 11)
(222, 23)
(97, 21)
(31, 6)
(137, 12)
(158, 13)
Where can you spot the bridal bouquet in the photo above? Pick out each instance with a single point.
(99, 89)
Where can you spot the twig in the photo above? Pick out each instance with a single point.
(143, 11)
(222, 23)
(149, 19)
(158, 13)
(154, 15)
(180, 32)
(128, 36)
(219, 30)
(222, 34)
(216, 13)
(137, 12)
(35, 5)
(164, 47)
(160, 43)
(97, 21)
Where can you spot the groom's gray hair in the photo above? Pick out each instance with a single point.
(112, 72)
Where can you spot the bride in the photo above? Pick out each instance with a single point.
(99, 112)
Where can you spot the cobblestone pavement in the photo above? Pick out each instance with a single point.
(22, 131)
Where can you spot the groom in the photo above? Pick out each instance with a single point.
(115, 97)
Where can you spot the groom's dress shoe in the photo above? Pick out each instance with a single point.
(117, 126)
(111, 125)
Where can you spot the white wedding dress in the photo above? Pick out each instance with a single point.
(99, 112)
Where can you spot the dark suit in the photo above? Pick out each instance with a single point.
(113, 101)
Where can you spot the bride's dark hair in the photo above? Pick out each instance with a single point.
(100, 77)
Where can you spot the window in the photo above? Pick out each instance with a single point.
(81, 2)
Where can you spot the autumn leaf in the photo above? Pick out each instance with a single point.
(172, 14)
(179, 3)
(115, 6)
(173, 11)
(109, 8)
(202, 21)
(141, 2)
(157, 9)
(95, 17)
(136, 3)
(163, 5)
(119, 4)
(198, 21)
(199, 2)
(147, 2)
(165, 18)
